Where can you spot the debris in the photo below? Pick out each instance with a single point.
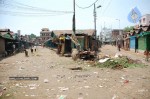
(126, 81)
(100, 86)
(17, 85)
(76, 68)
(103, 60)
(1, 92)
(114, 97)
(4, 88)
(95, 72)
(33, 86)
(32, 95)
(26, 95)
(118, 55)
(63, 88)
(62, 96)
(142, 90)
(122, 78)
(86, 87)
(46, 81)
(7, 95)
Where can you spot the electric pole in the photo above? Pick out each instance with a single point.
(94, 12)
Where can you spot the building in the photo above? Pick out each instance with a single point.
(116, 32)
(145, 20)
(45, 34)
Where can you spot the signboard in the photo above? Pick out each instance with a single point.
(134, 15)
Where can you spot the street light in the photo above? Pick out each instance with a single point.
(95, 18)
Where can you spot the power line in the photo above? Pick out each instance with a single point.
(30, 14)
(107, 7)
(28, 7)
(87, 6)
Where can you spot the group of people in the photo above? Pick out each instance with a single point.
(32, 50)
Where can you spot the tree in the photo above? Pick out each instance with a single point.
(32, 36)
(128, 29)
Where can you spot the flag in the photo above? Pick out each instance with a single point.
(134, 15)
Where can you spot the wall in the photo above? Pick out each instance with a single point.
(141, 43)
(132, 42)
(2, 45)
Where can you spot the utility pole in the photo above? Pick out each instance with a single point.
(94, 12)
(74, 17)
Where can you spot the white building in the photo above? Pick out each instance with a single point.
(145, 20)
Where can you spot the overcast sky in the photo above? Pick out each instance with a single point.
(106, 15)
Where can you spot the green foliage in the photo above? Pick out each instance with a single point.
(128, 29)
(32, 36)
(120, 63)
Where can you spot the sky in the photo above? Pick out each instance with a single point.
(16, 14)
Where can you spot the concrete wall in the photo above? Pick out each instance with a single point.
(2, 45)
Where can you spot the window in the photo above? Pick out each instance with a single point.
(143, 20)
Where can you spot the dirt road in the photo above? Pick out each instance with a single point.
(57, 81)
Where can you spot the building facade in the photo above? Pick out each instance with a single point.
(145, 20)
(45, 34)
(116, 32)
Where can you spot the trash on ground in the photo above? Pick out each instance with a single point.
(103, 60)
(126, 81)
(63, 88)
(118, 55)
(76, 68)
(118, 63)
(114, 96)
(4, 88)
(87, 87)
(46, 81)
(62, 96)
(1, 92)
(100, 86)
(7, 95)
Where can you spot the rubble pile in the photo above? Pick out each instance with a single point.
(118, 63)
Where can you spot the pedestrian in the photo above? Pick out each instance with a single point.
(31, 50)
(119, 44)
(35, 48)
(26, 53)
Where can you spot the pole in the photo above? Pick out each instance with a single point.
(95, 20)
(74, 15)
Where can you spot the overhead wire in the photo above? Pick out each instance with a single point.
(20, 6)
(87, 6)
(104, 11)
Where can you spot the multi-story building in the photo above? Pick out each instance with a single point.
(145, 20)
(45, 34)
(116, 32)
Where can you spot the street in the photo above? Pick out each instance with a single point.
(58, 81)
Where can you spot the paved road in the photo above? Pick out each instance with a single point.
(57, 81)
